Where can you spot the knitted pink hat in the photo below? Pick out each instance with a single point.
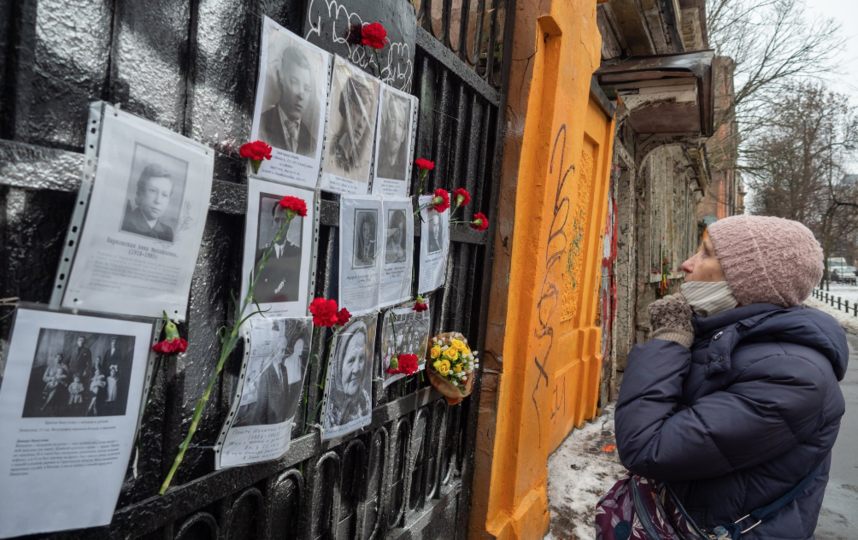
(767, 259)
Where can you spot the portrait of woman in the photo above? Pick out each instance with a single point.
(366, 228)
(350, 394)
(394, 249)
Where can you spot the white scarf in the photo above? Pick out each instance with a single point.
(709, 298)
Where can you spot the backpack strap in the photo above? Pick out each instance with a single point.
(734, 530)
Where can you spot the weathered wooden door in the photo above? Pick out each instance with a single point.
(191, 65)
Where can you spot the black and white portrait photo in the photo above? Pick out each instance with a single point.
(144, 220)
(434, 244)
(275, 379)
(392, 154)
(348, 401)
(436, 233)
(71, 396)
(154, 199)
(403, 331)
(291, 109)
(283, 283)
(366, 233)
(279, 279)
(351, 129)
(395, 237)
(79, 374)
(360, 254)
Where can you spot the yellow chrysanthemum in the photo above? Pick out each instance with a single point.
(435, 352)
(457, 344)
(443, 367)
(451, 353)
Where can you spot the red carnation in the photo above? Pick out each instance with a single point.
(170, 346)
(343, 316)
(256, 151)
(462, 197)
(481, 222)
(408, 364)
(420, 306)
(294, 204)
(424, 164)
(324, 312)
(374, 35)
(441, 201)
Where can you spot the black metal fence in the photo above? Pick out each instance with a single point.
(836, 301)
(191, 65)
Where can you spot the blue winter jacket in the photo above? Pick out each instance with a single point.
(738, 420)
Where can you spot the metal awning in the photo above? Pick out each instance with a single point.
(670, 93)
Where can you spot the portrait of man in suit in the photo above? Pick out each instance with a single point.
(436, 235)
(81, 358)
(393, 142)
(281, 382)
(279, 279)
(154, 189)
(287, 124)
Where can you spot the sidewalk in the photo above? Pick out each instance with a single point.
(579, 472)
(585, 466)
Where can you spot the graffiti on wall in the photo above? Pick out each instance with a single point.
(329, 24)
(556, 246)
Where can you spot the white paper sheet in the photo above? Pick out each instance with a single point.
(434, 243)
(361, 226)
(394, 142)
(144, 224)
(350, 131)
(68, 415)
(269, 392)
(283, 286)
(397, 263)
(348, 388)
(291, 105)
(406, 333)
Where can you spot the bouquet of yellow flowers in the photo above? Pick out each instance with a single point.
(451, 366)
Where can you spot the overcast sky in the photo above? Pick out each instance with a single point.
(842, 11)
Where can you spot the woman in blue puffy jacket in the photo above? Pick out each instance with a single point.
(736, 399)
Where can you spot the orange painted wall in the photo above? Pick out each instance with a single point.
(544, 338)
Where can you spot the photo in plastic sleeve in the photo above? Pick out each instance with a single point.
(434, 243)
(406, 333)
(348, 388)
(351, 130)
(270, 392)
(71, 394)
(360, 230)
(291, 100)
(283, 284)
(394, 143)
(398, 245)
(144, 223)
(79, 374)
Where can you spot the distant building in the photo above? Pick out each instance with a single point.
(725, 195)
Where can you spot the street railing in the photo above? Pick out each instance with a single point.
(835, 301)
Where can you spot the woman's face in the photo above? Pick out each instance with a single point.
(704, 265)
(353, 365)
(365, 230)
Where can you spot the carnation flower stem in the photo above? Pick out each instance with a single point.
(228, 343)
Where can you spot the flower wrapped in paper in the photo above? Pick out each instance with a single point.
(451, 366)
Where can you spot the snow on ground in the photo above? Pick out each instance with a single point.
(579, 473)
(848, 321)
(846, 292)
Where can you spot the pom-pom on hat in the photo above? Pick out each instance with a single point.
(767, 259)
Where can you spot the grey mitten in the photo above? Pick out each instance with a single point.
(670, 319)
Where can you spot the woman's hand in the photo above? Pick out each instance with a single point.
(670, 319)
